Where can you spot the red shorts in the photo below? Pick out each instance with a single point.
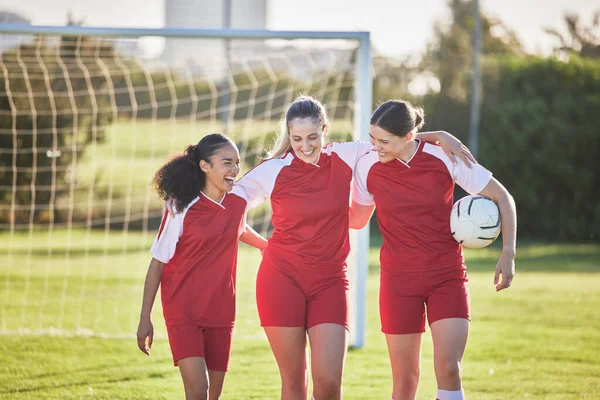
(301, 298)
(212, 344)
(404, 297)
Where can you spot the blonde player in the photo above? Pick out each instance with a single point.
(302, 284)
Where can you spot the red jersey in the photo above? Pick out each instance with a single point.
(414, 200)
(199, 249)
(309, 203)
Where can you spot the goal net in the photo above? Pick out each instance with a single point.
(86, 120)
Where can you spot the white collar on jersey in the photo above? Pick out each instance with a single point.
(219, 203)
(307, 163)
(413, 155)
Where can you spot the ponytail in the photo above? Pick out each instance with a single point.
(190, 153)
(181, 178)
(419, 118)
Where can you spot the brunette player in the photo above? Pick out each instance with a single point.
(422, 267)
(194, 262)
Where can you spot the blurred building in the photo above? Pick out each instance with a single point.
(210, 56)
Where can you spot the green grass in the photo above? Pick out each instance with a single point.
(540, 339)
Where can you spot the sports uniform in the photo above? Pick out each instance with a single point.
(199, 249)
(421, 264)
(302, 280)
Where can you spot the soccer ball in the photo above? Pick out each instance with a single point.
(475, 221)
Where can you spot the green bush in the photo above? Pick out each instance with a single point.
(541, 124)
(540, 135)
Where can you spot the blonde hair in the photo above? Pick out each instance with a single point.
(303, 107)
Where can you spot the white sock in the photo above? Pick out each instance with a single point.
(450, 394)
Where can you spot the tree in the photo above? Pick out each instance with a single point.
(448, 56)
(581, 40)
(391, 78)
(540, 120)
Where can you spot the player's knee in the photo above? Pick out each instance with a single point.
(196, 390)
(448, 370)
(294, 387)
(293, 390)
(405, 385)
(215, 393)
(327, 387)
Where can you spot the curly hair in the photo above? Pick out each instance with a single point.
(181, 178)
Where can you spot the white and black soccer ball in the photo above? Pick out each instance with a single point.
(475, 221)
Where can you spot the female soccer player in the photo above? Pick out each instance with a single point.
(194, 261)
(422, 267)
(302, 285)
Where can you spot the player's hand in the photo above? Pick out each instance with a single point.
(505, 271)
(169, 205)
(454, 148)
(145, 335)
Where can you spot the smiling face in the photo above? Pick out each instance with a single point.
(222, 169)
(389, 146)
(307, 139)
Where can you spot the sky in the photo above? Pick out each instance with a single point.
(397, 27)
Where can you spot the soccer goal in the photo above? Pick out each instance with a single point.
(86, 117)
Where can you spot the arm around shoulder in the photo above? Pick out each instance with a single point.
(450, 144)
(253, 238)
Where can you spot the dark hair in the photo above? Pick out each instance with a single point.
(398, 117)
(303, 107)
(181, 178)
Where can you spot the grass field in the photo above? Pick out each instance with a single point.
(540, 339)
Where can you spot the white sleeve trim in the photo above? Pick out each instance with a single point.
(360, 192)
(349, 152)
(258, 183)
(164, 245)
(473, 180)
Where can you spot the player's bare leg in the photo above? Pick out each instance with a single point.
(289, 348)
(215, 384)
(449, 342)
(195, 378)
(328, 344)
(405, 358)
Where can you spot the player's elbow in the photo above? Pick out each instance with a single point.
(503, 197)
(360, 215)
(358, 221)
(498, 193)
(156, 266)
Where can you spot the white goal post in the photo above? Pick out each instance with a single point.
(49, 86)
